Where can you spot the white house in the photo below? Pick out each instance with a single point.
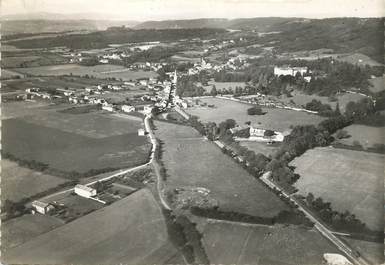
(259, 135)
(84, 191)
(278, 71)
(141, 132)
(127, 108)
(130, 83)
(147, 109)
(108, 107)
(42, 207)
(143, 82)
(257, 132)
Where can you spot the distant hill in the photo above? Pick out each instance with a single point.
(115, 35)
(264, 23)
(359, 35)
(60, 24)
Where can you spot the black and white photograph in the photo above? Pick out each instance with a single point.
(181, 132)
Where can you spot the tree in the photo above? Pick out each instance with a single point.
(213, 91)
(337, 110)
(255, 111)
(340, 134)
(269, 133)
(309, 198)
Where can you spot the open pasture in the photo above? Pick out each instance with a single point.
(223, 85)
(15, 109)
(367, 136)
(129, 231)
(30, 59)
(358, 59)
(264, 245)
(98, 71)
(51, 83)
(191, 161)
(275, 119)
(18, 230)
(69, 151)
(371, 251)
(259, 147)
(93, 124)
(350, 180)
(10, 74)
(301, 99)
(22, 182)
(17, 61)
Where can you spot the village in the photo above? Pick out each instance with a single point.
(156, 142)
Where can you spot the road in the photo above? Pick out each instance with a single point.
(155, 164)
(317, 224)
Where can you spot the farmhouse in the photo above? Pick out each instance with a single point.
(257, 132)
(260, 135)
(84, 191)
(141, 132)
(278, 71)
(108, 107)
(42, 207)
(127, 108)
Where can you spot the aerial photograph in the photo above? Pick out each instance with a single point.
(177, 132)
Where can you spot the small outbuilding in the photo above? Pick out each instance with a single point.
(42, 207)
(141, 132)
(85, 191)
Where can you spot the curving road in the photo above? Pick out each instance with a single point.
(154, 163)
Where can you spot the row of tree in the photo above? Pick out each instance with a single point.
(345, 221)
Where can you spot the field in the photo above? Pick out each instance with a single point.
(31, 59)
(259, 147)
(23, 182)
(371, 251)
(77, 142)
(9, 74)
(23, 108)
(275, 119)
(191, 161)
(15, 61)
(94, 125)
(130, 231)
(21, 229)
(98, 71)
(182, 58)
(266, 245)
(378, 84)
(358, 58)
(301, 99)
(367, 136)
(223, 85)
(350, 180)
(50, 83)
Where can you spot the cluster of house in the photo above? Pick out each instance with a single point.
(293, 71)
(35, 92)
(234, 63)
(262, 100)
(259, 134)
(219, 46)
(46, 208)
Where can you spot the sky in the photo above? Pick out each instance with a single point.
(141, 10)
